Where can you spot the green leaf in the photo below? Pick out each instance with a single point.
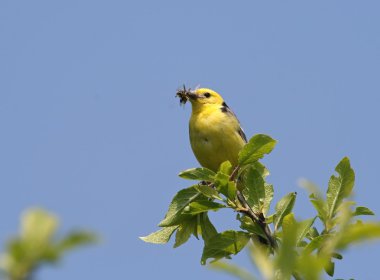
(304, 228)
(180, 201)
(256, 148)
(184, 231)
(302, 243)
(199, 173)
(269, 219)
(37, 244)
(313, 232)
(360, 210)
(319, 205)
(312, 188)
(221, 179)
(225, 186)
(16, 248)
(268, 198)
(283, 208)
(248, 225)
(316, 243)
(208, 191)
(259, 255)
(50, 254)
(286, 258)
(225, 168)
(203, 206)
(359, 232)
(330, 268)
(208, 230)
(290, 227)
(254, 190)
(264, 172)
(161, 236)
(310, 267)
(224, 244)
(340, 187)
(232, 269)
(76, 239)
(337, 256)
(38, 226)
(316, 198)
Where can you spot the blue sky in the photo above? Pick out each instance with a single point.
(91, 131)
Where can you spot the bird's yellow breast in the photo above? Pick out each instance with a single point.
(214, 137)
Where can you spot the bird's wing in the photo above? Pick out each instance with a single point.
(227, 110)
(242, 134)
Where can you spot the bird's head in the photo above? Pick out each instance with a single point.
(204, 96)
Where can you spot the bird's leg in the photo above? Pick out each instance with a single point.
(205, 183)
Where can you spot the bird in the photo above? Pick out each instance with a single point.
(216, 136)
(215, 132)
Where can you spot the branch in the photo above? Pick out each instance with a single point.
(259, 219)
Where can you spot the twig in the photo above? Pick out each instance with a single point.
(259, 219)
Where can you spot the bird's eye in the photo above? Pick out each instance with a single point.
(207, 94)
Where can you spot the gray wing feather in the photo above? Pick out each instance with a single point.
(227, 110)
(242, 134)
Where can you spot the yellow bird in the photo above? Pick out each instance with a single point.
(215, 132)
(216, 136)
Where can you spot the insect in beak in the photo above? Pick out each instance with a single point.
(192, 95)
(185, 94)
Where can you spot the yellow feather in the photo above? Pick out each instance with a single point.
(215, 133)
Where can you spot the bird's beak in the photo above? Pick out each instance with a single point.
(192, 95)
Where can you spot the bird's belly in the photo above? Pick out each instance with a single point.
(215, 145)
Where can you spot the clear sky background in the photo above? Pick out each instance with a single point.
(91, 131)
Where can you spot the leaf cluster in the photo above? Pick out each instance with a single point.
(281, 246)
(188, 211)
(37, 244)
